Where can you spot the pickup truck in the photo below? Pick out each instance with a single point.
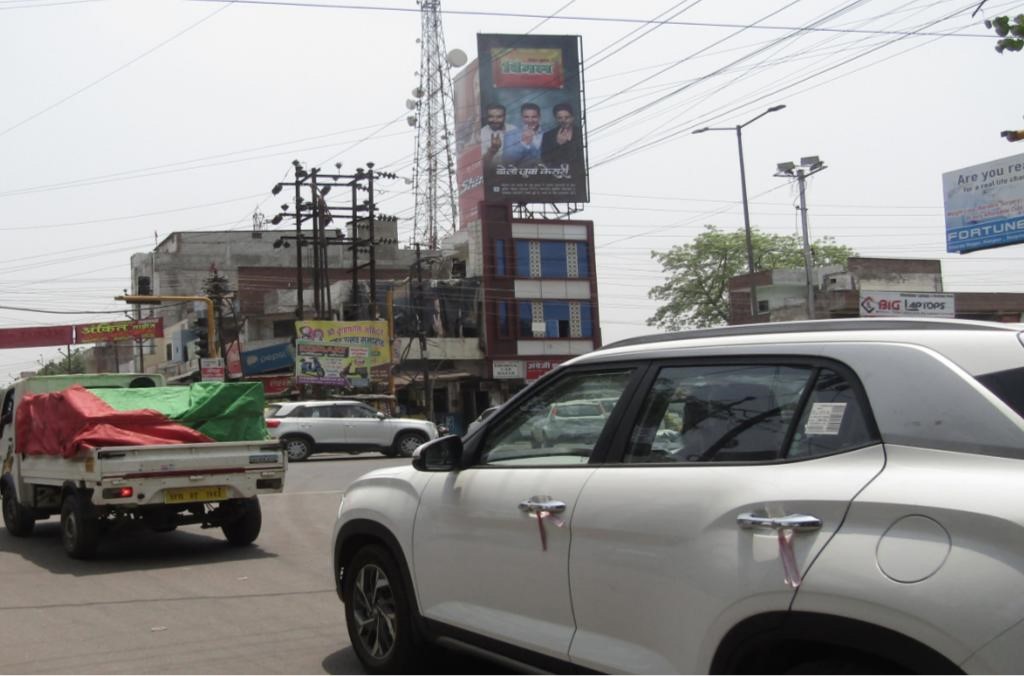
(67, 450)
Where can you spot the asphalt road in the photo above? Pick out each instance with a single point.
(187, 603)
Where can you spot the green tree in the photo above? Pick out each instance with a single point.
(1010, 32)
(695, 293)
(74, 362)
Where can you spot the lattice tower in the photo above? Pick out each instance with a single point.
(434, 171)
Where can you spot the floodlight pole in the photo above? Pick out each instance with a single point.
(746, 206)
(808, 167)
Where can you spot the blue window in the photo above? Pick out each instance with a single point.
(556, 319)
(526, 320)
(583, 258)
(553, 260)
(503, 326)
(586, 320)
(499, 258)
(522, 258)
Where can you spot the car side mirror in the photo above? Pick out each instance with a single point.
(439, 455)
(380, 415)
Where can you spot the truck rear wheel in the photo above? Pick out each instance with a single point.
(80, 529)
(19, 521)
(244, 529)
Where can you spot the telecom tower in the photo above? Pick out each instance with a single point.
(435, 213)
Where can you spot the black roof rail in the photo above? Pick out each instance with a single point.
(822, 325)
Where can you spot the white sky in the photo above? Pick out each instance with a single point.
(124, 117)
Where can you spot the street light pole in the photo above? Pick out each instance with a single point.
(808, 167)
(746, 205)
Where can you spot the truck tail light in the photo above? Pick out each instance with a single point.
(118, 492)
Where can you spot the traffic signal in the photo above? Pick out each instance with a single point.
(202, 340)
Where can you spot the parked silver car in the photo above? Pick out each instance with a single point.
(307, 427)
(810, 497)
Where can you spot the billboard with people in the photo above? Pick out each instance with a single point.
(529, 144)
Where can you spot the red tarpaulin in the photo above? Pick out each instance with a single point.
(66, 422)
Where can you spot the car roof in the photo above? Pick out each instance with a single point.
(319, 402)
(978, 346)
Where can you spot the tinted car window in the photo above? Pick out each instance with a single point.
(271, 411)
(539, 429)
(727, 413)
(832, 420)
(1007, 385)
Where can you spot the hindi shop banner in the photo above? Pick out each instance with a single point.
(324, 363)
(132, 329)
(371, 336)
(468, 159)
(532, 146)
(984, 205)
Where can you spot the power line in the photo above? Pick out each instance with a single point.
(116, 70)
(598, 19)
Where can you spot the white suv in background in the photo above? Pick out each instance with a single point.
(840, 496)
(307, 427)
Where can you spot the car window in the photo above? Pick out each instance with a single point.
(832, 420)
(747, 413)
(318, 412)
(356, 411)
(271, 410)
(559, 424)
(1007, 385)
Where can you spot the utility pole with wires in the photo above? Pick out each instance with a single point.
(421, 332)
(435, 211)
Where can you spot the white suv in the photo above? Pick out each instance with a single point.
(840, 496)
(306, 427)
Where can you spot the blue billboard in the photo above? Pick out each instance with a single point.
(268, 359)
(984, 205)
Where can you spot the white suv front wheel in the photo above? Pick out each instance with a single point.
(407, 442)
(378, 613)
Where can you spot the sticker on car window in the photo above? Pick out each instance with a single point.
(825, 418)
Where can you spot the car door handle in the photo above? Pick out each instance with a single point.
(536, 505)
(796, 522)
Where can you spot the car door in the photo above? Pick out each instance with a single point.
(733, 476)
(362, 427)
(491, 542)
(318, 420)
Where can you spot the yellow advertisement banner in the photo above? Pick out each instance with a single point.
(370, 335)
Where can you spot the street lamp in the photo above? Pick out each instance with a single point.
(809, 166)
(746, 207)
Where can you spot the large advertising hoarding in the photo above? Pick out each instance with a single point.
(469, 170)
(347, 354)
(984, 205)
(530, 138)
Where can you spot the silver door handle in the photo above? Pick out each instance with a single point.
(796, 522)
(533, 506)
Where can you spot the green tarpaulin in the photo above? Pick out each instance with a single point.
(221, 411)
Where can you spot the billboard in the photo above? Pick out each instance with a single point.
(899, 304)
(469, 171)
(119, 330)
(984, 205)
(366, 353)
(528, 140)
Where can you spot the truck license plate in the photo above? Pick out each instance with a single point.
(199, 494)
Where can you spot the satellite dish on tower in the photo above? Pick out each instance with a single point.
(418, 92)
(410, 104)
(457, 58)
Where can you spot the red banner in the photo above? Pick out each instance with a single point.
(121, 330)
(36, 336)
